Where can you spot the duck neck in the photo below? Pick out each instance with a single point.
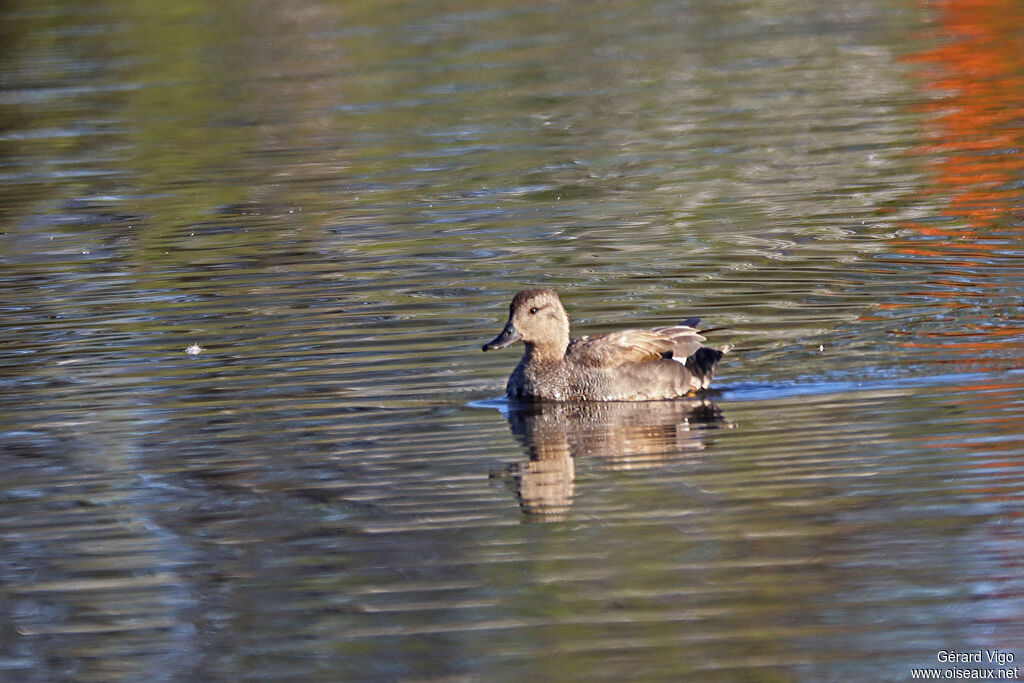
(551, 352)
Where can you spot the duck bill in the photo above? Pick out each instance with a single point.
(509, 335)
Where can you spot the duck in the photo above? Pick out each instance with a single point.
(628, 365)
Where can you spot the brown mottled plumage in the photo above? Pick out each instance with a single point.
(630, 365)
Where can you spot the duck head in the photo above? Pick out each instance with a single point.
(536, 317)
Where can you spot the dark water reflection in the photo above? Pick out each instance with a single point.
(335, 200)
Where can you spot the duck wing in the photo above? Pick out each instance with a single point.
(636, 346)
(686, 340)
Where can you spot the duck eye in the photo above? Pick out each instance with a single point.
(533, 311)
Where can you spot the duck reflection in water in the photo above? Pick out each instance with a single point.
(626, 435)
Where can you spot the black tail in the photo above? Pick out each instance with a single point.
(703, 362)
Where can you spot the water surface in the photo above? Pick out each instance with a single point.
(336, 201)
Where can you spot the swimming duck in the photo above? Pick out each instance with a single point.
(630, 365)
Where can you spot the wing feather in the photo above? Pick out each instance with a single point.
(636, 346)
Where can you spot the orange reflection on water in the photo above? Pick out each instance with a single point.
(975, 133)
(974, 146)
